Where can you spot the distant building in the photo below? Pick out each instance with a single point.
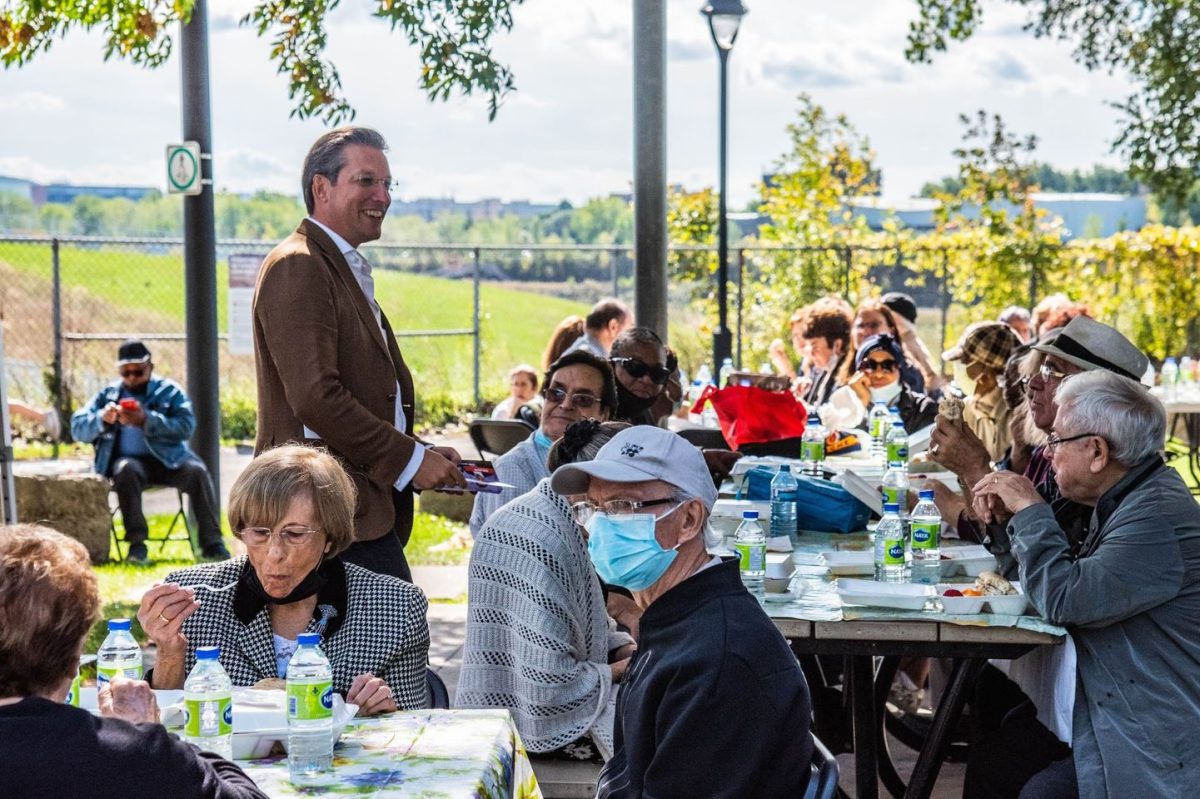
(1083, 215)
(65, 193)
(429, 208)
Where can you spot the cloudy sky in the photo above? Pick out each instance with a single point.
(567, 131)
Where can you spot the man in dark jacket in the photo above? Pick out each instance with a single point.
(713, 702)
(140, 426)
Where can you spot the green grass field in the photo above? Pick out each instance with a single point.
(121, 290)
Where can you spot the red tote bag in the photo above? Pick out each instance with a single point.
(750, 415)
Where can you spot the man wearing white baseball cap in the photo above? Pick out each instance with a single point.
(711, 674)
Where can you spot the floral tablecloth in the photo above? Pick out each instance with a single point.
(425, 753)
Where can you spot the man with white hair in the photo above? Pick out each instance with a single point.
(1129, 594)
(713, 702)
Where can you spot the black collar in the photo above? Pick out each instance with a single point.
(246, 605)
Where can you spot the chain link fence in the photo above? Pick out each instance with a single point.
(464, 314)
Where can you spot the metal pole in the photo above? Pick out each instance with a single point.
(615, 271)
(740, 296)
(721, 336)
(848, 266)
(945, 295)
(475, 329)
(650, 164)
(60, 398)
(199, 248)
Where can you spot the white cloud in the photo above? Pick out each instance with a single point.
(33, 102)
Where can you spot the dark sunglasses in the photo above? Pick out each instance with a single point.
(581, 401)
(871, 366)
(137, 371)
(659, 375)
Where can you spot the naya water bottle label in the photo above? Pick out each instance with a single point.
(206, 718)
(878, 427)
(897, 453)
(309, 701)
(893, 552)
(925, 534)
(752, 557)
(895, 496)
(73, 693)
(105, 674)
(812, 451)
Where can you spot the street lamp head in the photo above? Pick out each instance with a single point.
(724, 17)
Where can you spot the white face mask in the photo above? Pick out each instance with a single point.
(886, 394)
(962, 379)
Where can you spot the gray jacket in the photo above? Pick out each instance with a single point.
(522, 467)
(1131, 602)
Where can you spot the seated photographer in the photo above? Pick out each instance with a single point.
(140, 426)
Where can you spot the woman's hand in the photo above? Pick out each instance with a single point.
(1004, 491)
(777, 353)
(858, 383)
(371, 694)
(164, 609)
(131, 700)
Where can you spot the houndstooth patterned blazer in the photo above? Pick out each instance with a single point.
(381, 629)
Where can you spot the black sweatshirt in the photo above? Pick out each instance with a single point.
(713, 703)
(48, 749)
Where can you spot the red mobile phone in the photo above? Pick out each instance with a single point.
(129, 404)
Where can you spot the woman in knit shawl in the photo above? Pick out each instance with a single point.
(539, 640)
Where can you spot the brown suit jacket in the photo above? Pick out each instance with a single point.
(322, 363)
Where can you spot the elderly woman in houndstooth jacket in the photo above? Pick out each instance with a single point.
(293, 508)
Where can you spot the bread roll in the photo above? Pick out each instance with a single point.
(992, 584)
(951, 409)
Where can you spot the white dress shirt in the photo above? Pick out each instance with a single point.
(362, 274)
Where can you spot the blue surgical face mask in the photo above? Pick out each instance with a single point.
(625, 551)
(542, 440)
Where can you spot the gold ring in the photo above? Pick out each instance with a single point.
(164, 618)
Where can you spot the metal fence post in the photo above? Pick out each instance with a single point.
(741, 261)
(616, 256)
(848, 258)
(475, 329)
(60, 401)
(945, 294)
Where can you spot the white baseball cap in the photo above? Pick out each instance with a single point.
(639, 454)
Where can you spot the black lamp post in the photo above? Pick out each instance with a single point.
(724, 18)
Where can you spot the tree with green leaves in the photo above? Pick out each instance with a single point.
(453, 36)
(1156, 42)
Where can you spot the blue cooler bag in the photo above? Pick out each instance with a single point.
(821, 505)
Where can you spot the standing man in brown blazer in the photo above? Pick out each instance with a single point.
(329, 370)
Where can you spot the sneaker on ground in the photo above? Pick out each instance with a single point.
(137, 555)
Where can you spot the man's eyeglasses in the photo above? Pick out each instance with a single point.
(370, 182)
(887, 366)
(1048, 372)
(291, 536)
(136, 371)
(561, 397)
(614, 507)
(659, 375)
(1054, 441)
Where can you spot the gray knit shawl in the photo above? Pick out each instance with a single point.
(538, 633)
(520, 467)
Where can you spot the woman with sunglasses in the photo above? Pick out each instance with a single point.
(579, 385)
(873, 318)
(876, 378)
(293, 508)
(645, 376)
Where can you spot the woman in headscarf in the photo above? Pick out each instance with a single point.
(876, 378)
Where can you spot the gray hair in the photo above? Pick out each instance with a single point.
(1014, 313)
(327, 156)
(712, 539)
(1118, 409)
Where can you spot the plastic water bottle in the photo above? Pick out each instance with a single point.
(310, 712)
(889, 546)
(1148, 376)
(895, 486)
(73, 691)
(878, 427)
(1170, 378)
(751, 545)
(704, 375)
(726, 371)
(208, 701)
(925, 533)
(783, 503)
(897, 444)
(1187, 370)
(812, 447)
(119, 654)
